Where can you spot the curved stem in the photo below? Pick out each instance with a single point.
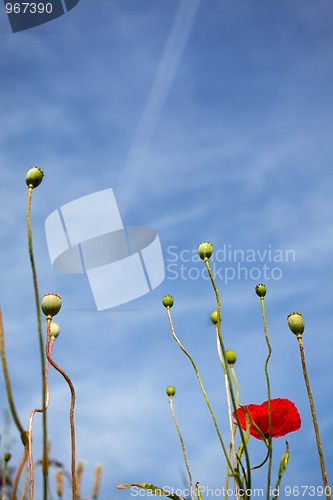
(18, 424)
(41, 410)
(97, 481)
(270, 449)
(71, 387)
(247, 458)
(201, 385)
(183, 446)
(25, 480)
(40, 336)
(18, 473)
(314, 418)
(232, 441)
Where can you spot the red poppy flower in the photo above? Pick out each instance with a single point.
(284, 417)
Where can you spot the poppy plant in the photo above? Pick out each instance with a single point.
(284, 418)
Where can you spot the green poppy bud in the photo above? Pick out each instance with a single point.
(168, 301)
(34, 177)
(296, 322)
(213, 317)
(7, 457)
(205, 250)
(260, 290)
(54, 329)
(171, 391)
(231, 357)
(51, 304)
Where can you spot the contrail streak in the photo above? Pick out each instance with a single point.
(164, 78)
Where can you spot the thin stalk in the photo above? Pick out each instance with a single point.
(41, 344)
(201, 385)
(4, 473)
(97, 481)
(314, 418)
(270, 448)
(232, 442)
(60, 485)
(41, 410)
(235, 427)
(71, 387)
(25, 480)
(18, 473)
(183, 446)
(18, 424)
(218, 324)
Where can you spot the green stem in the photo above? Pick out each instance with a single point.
(23, 433)
(183, 446)
(314, 418)
(18, 473)
(71, 387)
(232, 441)
(41, 344)
(247, 458)
(270, 449)
(41, 410)
(4, 472)
(202, 387)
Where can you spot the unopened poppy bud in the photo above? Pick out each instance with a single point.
(260, 290)
(54, 329)
(296, 322)
(34, 177)
(213, 317)
(168, 301)
(231, 357)
(205, 250)
(7, 457)
(51, 304)
(171, 391)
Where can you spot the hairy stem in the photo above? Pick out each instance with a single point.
(201, 385)
(41, 410)
(270, 449)
(71, 387)
(314, 418)
(183, 446)
(41, 344)
(247, 458)
(18, 473)
(18, 424)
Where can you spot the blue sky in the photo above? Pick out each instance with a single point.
(212, 121)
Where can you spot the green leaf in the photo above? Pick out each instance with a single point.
(282, 469)
(153, 489)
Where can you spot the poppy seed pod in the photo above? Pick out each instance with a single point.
(168, 301)
(260, 290)
(213, 317)
(54, 329)
(296, 323)
(171, 391)
(205, 250)
(34, 177)
(231, 357)
(51, 304)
